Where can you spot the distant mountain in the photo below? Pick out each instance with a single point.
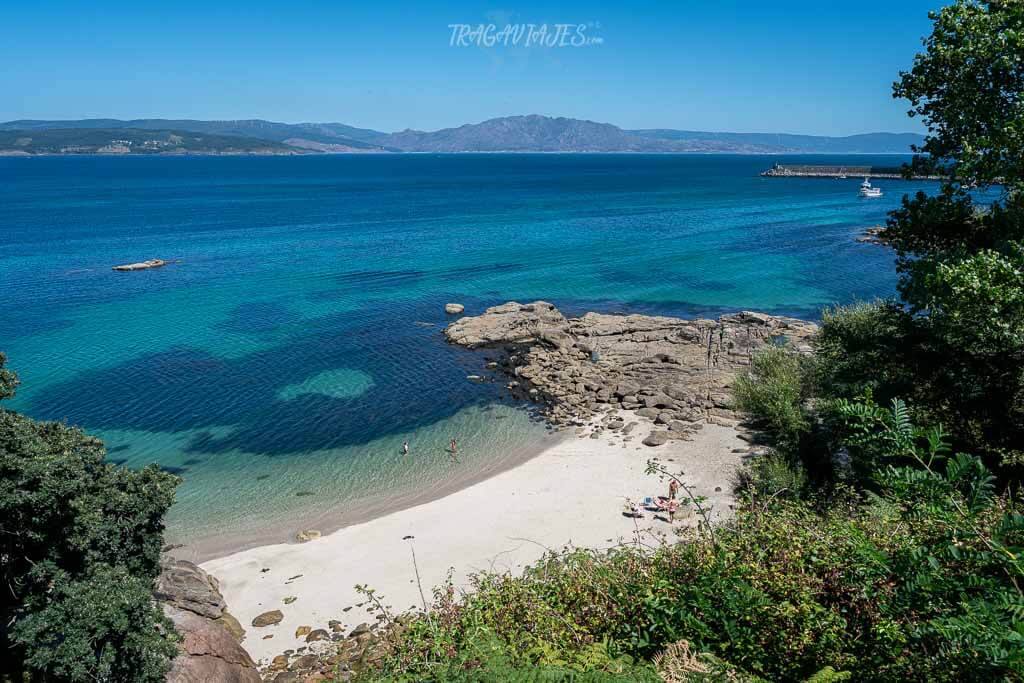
(865, 143)
(545, 134)
(525, 134)
(531, 133)
(132, 141)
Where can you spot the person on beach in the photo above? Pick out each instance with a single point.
(405, 448)
(672, 507)
(673, 488)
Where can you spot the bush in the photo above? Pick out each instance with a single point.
(775, 390)
(863, 347)
(771, 476)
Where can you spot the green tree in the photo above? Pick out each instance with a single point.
(80, 543)
(959, 339)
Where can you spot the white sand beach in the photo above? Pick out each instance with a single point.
(572, 493)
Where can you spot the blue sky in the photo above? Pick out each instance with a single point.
(796, 66)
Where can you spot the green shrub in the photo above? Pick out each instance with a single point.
(772, 476)
(775, 390)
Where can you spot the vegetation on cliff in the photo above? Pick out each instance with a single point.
(80, 543)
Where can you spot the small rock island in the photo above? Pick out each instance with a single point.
(142, 265)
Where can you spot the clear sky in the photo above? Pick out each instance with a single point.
(797, 66)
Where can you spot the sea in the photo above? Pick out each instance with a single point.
(278, 364)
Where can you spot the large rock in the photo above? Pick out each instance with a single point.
(510, 323)
(656, 439)
(210, 649)
(186, 586)
(454, 309)
(209, 652)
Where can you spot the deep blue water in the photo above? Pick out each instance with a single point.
(298, 340)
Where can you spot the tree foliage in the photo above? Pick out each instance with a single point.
(966, 87)
(80, 543)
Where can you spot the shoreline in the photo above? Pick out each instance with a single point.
(354, 512)
(572, 493)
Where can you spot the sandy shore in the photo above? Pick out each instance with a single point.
(572, 493)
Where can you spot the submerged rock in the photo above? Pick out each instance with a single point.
(454, 309)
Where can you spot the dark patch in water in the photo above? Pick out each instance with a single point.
(655, 275)
(118, 448)
(467, 272)
(257, 317)
(17, 322)
(170, 469)
(186, 388)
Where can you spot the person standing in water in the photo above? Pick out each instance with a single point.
(455, 450)
(405, 448)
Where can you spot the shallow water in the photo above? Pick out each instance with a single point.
(281, 363)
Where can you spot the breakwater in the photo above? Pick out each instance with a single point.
(810, 171)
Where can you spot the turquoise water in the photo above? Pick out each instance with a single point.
(281, 363)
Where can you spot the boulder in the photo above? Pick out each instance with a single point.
(656, 439)
(186, 586)
(511, 323)
(268, 618)
(454, 309)
(359, 630)
(318, 634)
(208, 652)
(303, 631)
(210, 649)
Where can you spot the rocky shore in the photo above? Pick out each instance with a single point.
(675, 372)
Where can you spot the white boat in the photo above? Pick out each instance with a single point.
(866, 190)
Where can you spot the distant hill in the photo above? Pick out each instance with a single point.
(525, 134)
(865, 143)
(531, 133)
(132, 141)
(336, 134)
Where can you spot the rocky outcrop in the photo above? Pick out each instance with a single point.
(673, 371)
(875, 235)
(185, 586)
(454, 309)
(142, 265)
(210, 649)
